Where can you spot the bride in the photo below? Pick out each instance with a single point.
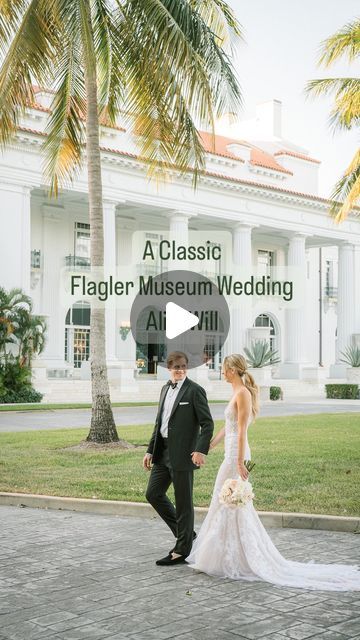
(232, 542)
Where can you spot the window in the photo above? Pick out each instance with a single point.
(77, 334)
(330, 290)
(150, 266)
(82, 240)
(213, 267)
(265, 321)
(265, 261)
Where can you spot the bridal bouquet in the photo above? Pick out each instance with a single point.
(236, 493)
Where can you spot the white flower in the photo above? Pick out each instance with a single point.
(236, 493)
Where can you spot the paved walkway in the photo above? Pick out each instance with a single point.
(73, 576)
(75, 418)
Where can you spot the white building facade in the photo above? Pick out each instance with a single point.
(262, 191)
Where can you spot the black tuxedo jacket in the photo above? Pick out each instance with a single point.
(190, 426)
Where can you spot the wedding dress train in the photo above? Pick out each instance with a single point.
(233, 543)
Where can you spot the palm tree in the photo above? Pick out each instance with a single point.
(345, 113)
(12, 303)
(164, 63)
(19, 327)
(29, 331)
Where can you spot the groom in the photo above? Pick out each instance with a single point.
(178, 445)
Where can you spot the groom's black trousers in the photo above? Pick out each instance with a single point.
(181, 518)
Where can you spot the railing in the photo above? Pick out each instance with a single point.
(154, 270)
(77, 261)
(149, 269)
(331, 292)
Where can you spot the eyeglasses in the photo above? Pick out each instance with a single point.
(179, 367)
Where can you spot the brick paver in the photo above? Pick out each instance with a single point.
(72, 576)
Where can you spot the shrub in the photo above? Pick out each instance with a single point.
(351, 356)
(275, 393)
(15, 382)
(13, 376)
(22, 336)
(27, 394)
(342, 391)
(260, 355)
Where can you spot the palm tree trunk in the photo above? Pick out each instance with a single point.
(103, 427)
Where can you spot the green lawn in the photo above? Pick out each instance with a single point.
(303, 464)
(66, 405)
(39, 406)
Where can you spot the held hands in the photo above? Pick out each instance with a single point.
(147, 461)
(198, 458)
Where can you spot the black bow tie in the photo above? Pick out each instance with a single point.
(173, 385)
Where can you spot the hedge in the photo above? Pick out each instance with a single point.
(342, 391)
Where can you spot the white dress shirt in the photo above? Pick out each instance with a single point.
(169, 402)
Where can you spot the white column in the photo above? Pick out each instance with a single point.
(295, 319)
(109, 213)
(357, 290)
(25, 239)
(241, 308)
(53, 249)
(120, 371)
(179, 232)
(345, 307)
(15, 243)
(126, 349)
(179, 226)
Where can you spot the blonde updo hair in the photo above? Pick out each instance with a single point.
(239, 364)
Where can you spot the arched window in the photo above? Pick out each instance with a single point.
(77, 334)
(264, 320)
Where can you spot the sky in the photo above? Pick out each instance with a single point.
(279, 56)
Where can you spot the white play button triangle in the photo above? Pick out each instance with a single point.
(178, 320)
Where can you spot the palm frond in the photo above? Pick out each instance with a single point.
(101, 20)
(220, 18)
(159, 115)
(65, 128)
(11, 13)
(346, 110)
(30, 57)
(347, 191)
(14, 299)
(346, 42)
(115, 98)
(194, 83)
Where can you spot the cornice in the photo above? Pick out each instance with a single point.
(115, 158)
(262, 171)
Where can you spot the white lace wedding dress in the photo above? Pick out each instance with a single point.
(232, 542)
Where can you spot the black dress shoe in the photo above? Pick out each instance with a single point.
(169, 560)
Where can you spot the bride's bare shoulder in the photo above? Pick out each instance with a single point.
(243, 396)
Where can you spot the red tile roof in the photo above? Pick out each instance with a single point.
(217, 146)
(258, 157)
(39, 107)
(213, 174)
(301, 156)
(262, 159)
